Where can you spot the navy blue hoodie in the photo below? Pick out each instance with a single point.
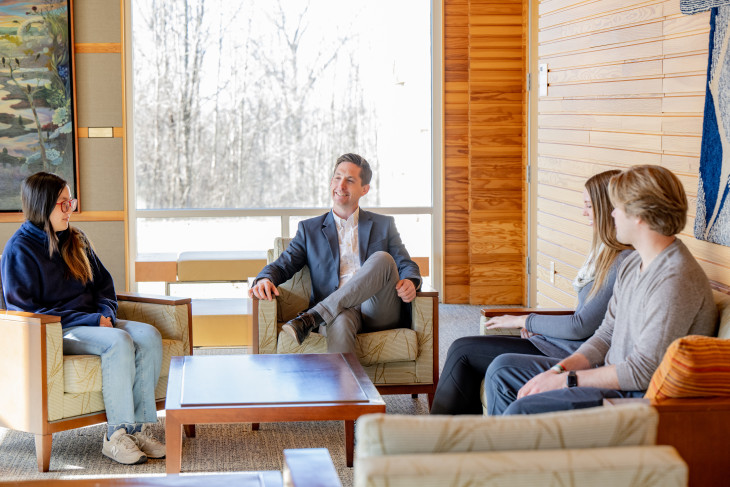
(35, 282)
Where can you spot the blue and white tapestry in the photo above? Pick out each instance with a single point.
(712, 222)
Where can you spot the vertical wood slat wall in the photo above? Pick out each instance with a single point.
(626, 86)
(484, 119)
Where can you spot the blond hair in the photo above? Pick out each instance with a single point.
(652, 193)
(604, 229)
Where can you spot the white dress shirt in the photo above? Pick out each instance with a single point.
(349, 248)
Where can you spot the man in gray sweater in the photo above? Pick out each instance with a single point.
(661, 293)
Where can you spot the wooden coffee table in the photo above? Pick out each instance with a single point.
(265, 389)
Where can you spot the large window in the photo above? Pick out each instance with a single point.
(244, 105)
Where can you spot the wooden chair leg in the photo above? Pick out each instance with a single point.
(430, 399)
(43, 451)
(189, 430)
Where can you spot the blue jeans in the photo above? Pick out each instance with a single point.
(509, 372)
(131, 358)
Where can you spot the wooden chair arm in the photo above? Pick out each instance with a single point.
(492, 312)
(30, 318)
(152, 298)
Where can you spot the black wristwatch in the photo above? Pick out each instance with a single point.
(572, 379)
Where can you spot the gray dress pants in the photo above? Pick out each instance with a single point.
(367, 302)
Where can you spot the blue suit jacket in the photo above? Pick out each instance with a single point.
(316, 245)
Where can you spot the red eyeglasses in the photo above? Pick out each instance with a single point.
(68, 205)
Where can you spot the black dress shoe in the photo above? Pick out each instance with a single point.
(300, 326)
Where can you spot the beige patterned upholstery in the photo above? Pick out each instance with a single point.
(611, 446)
(70, 385)
(401, 357)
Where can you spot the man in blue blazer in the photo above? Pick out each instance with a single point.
(361, 271)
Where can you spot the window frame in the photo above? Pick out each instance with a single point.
(435, 210)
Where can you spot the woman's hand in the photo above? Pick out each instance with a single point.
(526, 334)
(506, 321)
(105, 322)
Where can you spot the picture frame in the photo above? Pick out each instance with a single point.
(38, 127)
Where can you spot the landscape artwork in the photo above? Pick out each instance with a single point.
(37, 129)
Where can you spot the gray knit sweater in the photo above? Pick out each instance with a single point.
(648, 311)
(560, 335)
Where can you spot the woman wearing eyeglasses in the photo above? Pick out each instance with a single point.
(50, 267)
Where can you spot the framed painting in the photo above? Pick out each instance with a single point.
(37, 95)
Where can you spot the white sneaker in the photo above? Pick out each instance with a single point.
(123, 448)
(148, 444)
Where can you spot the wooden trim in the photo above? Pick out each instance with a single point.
(153, 299)
(44, 385)
(491, 312)
(23, 316)
(387, 389)
(435, 373)
(84, 216)
(83, 133)
(190, 329)
(120, 133)
(98, 47)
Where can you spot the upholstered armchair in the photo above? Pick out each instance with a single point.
(43, 391)
(597, 447)
(399, 361)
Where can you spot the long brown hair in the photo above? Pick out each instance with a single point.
(604, 229)
(39, 194)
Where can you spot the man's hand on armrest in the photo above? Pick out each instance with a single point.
(406, 290)
(263, 289)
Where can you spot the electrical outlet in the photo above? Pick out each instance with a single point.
(552, 272)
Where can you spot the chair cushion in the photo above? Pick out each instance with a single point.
(82, 373)
(380, 347)
(693, 366)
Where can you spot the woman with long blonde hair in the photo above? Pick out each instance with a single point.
(50, 267)
(548, 335)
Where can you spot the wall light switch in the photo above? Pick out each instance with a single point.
(542, 79)
(552, 272)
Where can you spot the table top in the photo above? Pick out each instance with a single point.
(240, 479)
(219, 381)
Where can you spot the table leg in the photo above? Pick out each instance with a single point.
(173, 443)
(349, 442)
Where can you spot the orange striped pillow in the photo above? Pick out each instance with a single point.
(693, 366)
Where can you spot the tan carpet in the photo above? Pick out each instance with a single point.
(216, 448)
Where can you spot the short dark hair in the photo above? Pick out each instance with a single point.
(366, 174)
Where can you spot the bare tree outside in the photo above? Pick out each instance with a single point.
(247, 104)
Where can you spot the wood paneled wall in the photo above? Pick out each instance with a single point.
(626, 86)
(484, 119)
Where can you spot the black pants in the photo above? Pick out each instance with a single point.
(466, 363)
